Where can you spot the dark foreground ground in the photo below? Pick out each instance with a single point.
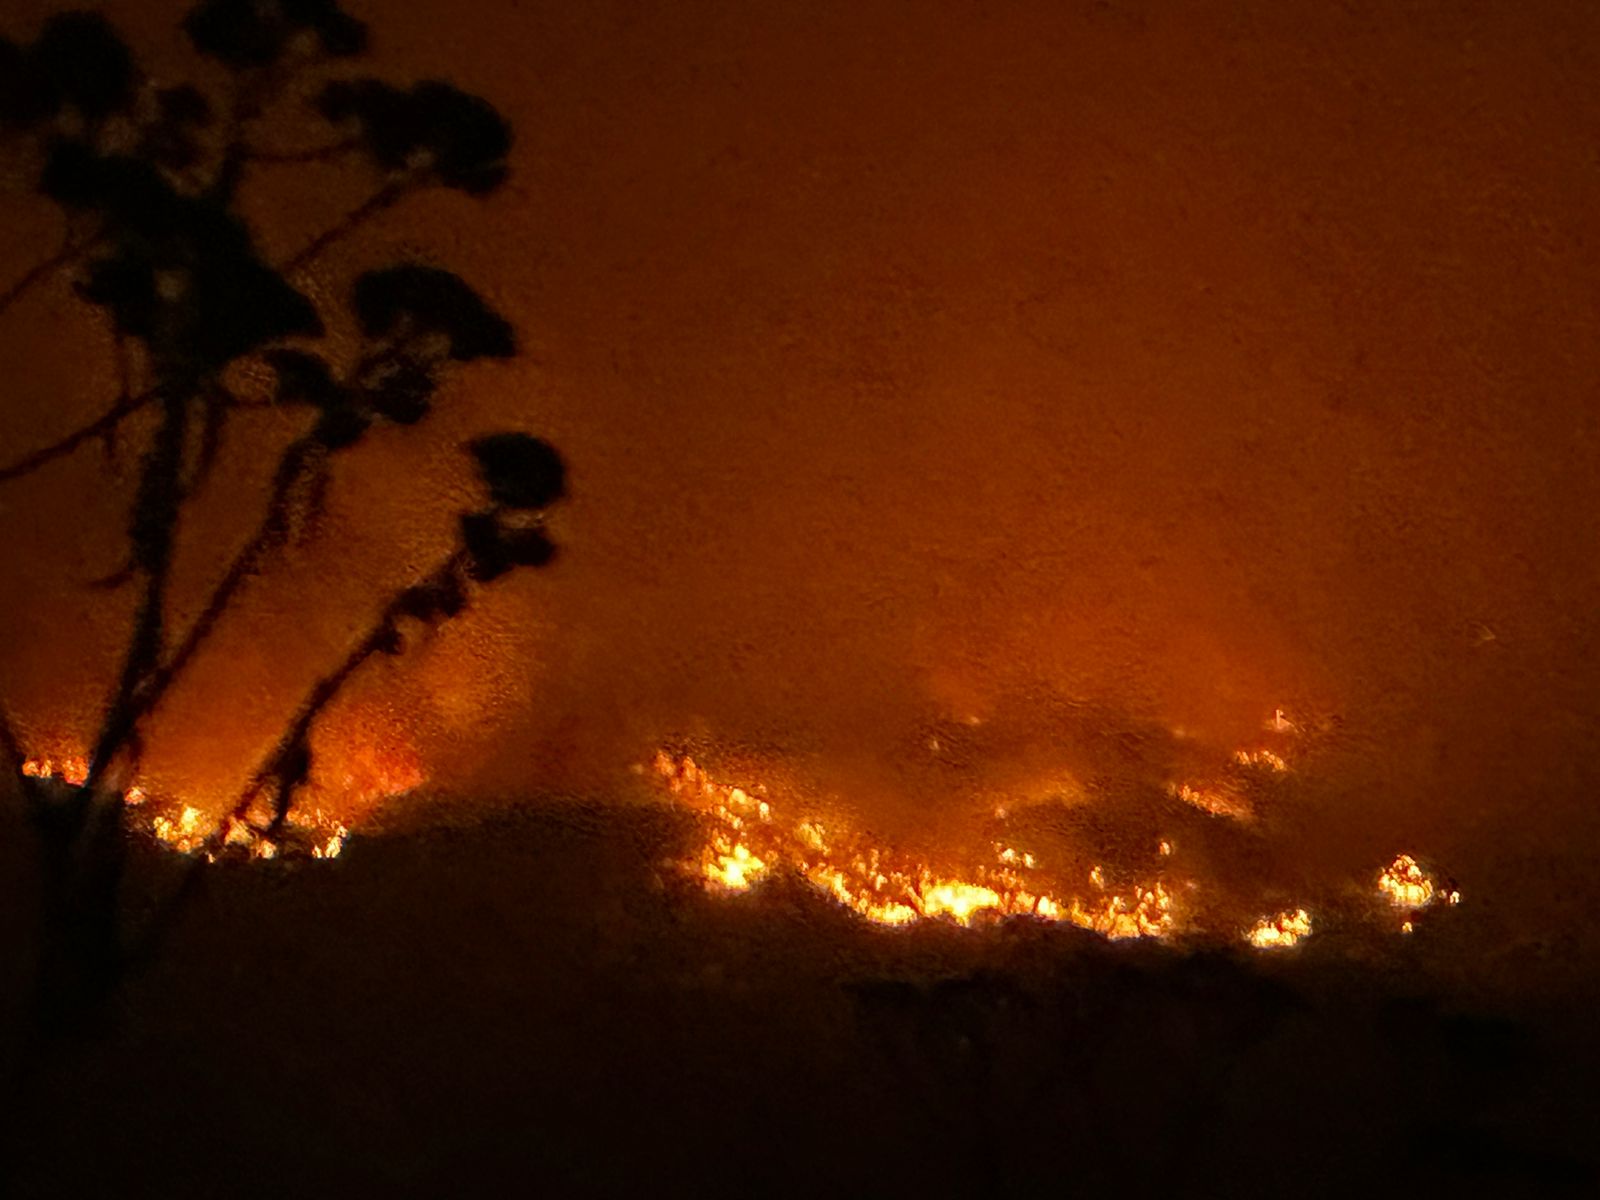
(532, 1007)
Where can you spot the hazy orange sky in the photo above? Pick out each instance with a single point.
(917, 362)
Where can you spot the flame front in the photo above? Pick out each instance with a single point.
(748, 840)
(187, 830)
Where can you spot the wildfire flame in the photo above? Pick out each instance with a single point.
(1260, 758)
(747, 840)
(1406, 885)
(1228, 795)
(1285, 929)
(187, 830)
(72, 770)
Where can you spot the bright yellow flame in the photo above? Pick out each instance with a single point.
(72, 770)
(1285, 929)
(1407, 885)
(1260, 758)
(746, 841)
(331, 847)
(191, 831)
(734, 867)
(184, 834)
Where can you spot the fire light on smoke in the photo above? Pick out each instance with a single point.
(747, 840)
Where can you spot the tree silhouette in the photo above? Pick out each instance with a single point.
(147, 179)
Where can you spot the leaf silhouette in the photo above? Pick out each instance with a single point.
(83, 62)
(493, 549)
(123, 188)
(402, 392)
(530, 547)
(24, 99)
(127, 287)
(521, 471)
(239, 304)
(441, 597)
(460, 138)
(408, 301)
(182, 273)
(480, 534)
(467, 136)
(170, 139)
(340, 426)
(256, 33)
(304, 378)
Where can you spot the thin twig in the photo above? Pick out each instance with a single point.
(109, 420)
(124, 389)
(296, 459)
(10, 746)
(273, 769)
(156, 511)
(313, 154)
(113, 416)
(250, 96)
(381, 199)
(70, 250)
(301, 456)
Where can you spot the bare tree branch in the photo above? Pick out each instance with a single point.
(385, 197)
(280, 770)
(311, 154)
(11, 755)
(70, 251)
(99, 427)
(270, 533)
(156, 510)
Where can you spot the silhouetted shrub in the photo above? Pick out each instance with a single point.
(149, 186)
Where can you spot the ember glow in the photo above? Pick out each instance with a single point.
(747, 840)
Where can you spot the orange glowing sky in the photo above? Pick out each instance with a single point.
(921, 362)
